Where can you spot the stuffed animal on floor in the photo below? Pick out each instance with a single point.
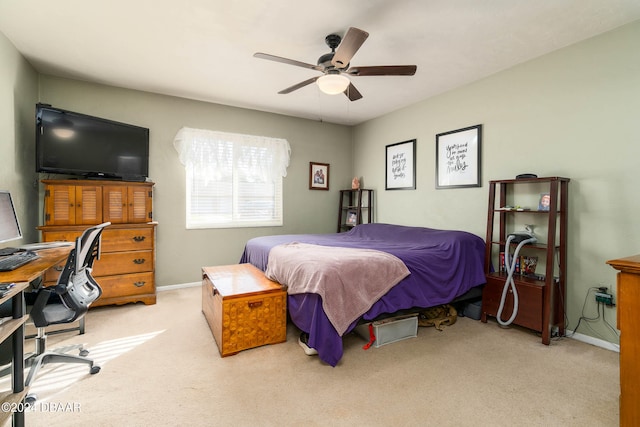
(438, 316)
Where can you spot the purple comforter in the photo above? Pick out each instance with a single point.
(444, 264)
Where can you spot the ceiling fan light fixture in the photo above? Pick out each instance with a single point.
(333, 84)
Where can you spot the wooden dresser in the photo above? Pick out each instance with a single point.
(628, 290)
(126, 269)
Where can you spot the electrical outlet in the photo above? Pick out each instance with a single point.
(605, 298)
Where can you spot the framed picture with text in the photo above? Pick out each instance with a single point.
(458, 158)
(401, 166)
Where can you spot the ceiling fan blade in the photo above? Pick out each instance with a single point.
(383, 70)
(287, 61)
(352, 93)
(299, 85)
(348, 47)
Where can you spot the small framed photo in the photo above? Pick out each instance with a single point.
(401, 166)
(352, 218)
(545, 201)
(318, 176)
(458, 158)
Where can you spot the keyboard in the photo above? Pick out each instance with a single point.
(19, 259)
(45, 245)
(8, 251)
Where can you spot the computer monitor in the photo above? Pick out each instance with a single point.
(9, 225)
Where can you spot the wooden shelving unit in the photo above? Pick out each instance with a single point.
(356, 207)
(541, 297)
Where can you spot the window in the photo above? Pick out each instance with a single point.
(232, 180)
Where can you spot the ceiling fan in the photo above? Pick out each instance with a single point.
(335, 66)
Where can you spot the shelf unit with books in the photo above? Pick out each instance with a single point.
(541, 295)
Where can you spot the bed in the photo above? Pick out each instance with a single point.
(443, 265)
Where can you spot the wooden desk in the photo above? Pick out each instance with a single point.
(14, 328)
(36, 268)
(628, 285)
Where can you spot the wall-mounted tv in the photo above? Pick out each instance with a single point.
(78, 144)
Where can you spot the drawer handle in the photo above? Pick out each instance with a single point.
(255, 304)
(214, 291)
(139, 261)
(139, 284)
(138, 238)
(58, 268)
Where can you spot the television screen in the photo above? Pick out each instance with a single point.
(78, 144)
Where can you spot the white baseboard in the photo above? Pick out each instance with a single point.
(593, 341)
(576, 336)
(178, 286)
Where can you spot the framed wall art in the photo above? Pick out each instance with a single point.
(401, 166)
(318, 176)
(458, 158)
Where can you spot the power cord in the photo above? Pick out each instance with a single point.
(583, 317)
(601, 305)
(614, 330)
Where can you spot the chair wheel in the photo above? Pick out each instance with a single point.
(30, 399)
(84, 352)
(94, 370)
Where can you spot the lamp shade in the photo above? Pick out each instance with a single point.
(333, 84)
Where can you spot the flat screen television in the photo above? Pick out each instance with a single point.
(78, 144)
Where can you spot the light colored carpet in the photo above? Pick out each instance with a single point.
(161, 367)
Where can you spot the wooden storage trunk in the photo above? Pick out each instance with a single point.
(244, 309)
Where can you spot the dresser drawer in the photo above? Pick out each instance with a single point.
(126, 285)
(123, 262)
(112, 263)
(128, 239)
(113, 239)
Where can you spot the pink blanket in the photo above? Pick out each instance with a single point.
(348, 280)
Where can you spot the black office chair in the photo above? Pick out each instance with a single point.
(68, 301)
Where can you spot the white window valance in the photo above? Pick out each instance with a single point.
(232, 180)
(214, 151)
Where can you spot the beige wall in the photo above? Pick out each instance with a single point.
(18, 95)
(181, 253)
(572, 113)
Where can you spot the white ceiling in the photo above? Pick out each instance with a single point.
(203, 49)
